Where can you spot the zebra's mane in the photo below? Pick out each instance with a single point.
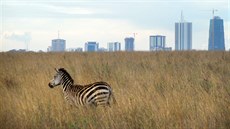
(66, 73)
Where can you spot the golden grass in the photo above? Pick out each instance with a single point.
(153, 90)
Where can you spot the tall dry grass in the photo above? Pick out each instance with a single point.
(153, 90)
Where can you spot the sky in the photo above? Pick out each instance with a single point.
(33, 24)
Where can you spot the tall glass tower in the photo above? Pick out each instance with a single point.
(216, 35)
(183, 35)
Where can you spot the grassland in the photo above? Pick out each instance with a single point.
(180, 90)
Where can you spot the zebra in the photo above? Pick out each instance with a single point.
(94, 94)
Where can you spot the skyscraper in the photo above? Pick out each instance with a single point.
(156, 43)
(129, 44)
(216, 34)
(91, 46)
(114, 46)
(58, 45)
(183, 35)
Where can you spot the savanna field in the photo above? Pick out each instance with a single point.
(153, 90)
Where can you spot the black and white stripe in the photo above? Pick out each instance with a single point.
(98, 93)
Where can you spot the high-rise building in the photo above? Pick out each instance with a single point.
(183, 35)
(129, 44)
(114, 46)
(58, 45)
(156, 43)
(216, 34)
(91, 46)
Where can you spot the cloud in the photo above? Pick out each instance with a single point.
(26, 36)
(69, 9)
(52, 10)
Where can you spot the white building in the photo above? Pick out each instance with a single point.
(157, 43)
(183, 35)
(114, 46)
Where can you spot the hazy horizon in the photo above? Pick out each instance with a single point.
(38, 22)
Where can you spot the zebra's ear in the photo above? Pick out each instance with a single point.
(56, 69)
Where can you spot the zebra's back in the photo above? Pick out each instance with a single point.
(98, 93)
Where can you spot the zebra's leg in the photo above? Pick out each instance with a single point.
(93, 104)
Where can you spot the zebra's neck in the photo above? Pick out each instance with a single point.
(67, 84)
(66, 80)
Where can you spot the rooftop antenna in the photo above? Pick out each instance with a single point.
(134, 35)
(213, 12)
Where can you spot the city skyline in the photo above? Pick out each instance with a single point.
(34, 23)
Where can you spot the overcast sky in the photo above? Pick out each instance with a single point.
(79, 21)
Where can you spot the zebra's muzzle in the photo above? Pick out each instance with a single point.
(51, 86)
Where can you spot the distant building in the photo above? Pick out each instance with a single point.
(102, 49)
(216, 34)
(91, 46)
(129, 44)
(79, 49)
(156, 43)
(19, 50)
(58, 45)
(75, 50)
(183, 35)
(49, 49)
(114, 46)
(168, 49)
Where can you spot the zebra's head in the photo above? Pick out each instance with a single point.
(61, 77)
(56, 80)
